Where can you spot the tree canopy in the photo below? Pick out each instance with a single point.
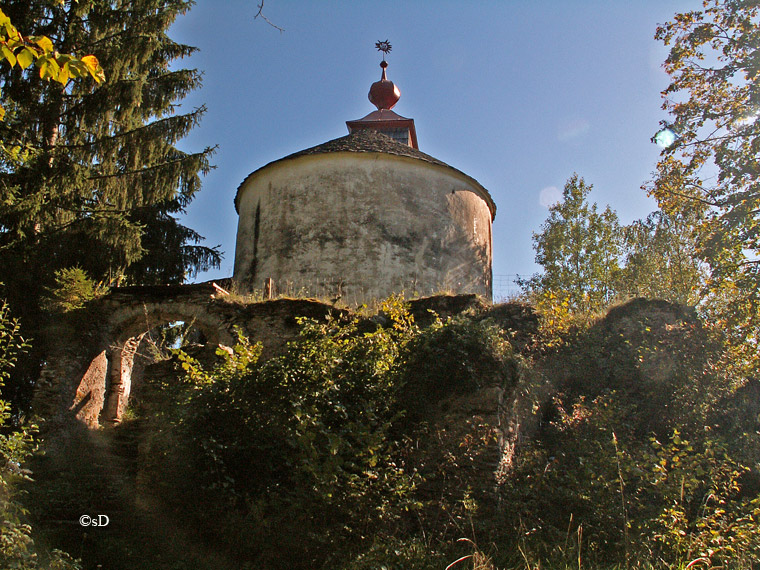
(579, 249)
(97, 180)
(711, 170)
(660, 260)
(103, 172)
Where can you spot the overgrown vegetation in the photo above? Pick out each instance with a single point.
(640, 460)
(615, 438)
(17, 547)
(616, 442)
(317, 468)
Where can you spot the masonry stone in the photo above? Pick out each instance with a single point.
(363, 225)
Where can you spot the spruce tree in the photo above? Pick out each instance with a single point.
(99, 180)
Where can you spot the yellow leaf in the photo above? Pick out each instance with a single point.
(44, 42)
(93, 66)
(8, 54)
(63, 75)
(49, 68)
(25, 58)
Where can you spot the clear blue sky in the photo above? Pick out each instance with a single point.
(517, 94)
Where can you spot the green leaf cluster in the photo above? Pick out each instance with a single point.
(711, 172)
(590, 260)
(73, 289)
(25, 51)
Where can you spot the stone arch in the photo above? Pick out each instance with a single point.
(128, 327)
(134, 319)
(89, 369)
(90, 352)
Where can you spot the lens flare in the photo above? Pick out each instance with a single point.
(665, 138)
(549, 196)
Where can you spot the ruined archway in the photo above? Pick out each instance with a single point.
(130, 326)
(91, 351)
(89, 370)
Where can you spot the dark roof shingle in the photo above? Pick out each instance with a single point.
(367, 141)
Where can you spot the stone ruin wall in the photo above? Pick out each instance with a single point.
(95, 357)
(88, 377)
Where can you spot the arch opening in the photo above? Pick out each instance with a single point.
(145, 355)
(132, 336)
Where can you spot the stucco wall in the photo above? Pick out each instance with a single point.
(364, 225)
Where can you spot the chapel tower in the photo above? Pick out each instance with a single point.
(364, 216)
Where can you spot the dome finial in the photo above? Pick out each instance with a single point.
(384, 94)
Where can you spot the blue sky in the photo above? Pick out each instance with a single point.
(517, 94)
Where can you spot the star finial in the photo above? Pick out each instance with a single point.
(384, 47)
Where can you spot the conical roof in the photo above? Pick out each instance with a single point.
(369, 141)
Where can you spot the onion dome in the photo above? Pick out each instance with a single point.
(384, 94)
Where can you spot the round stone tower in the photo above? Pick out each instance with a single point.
(364, 216)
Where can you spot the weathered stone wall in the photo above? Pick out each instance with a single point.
(363, 225)
(99, 351)
(90, 371)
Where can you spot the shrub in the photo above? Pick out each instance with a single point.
(453, 357)
(73, 288)
(291, 460)
(17, 547)
(637, 457)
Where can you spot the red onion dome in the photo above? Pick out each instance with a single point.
(384, 94)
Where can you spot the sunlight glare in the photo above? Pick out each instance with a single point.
(665, 138)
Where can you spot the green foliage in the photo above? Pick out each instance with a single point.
(456, 356)
(661, 261)
(661, 504)
(579, 250)
(310, 464)
(104, 175)
(704, 514)
(329, 454)
(24, 51)
(372, 443)
(454, 375)
(97, 181)
(398, 553)
(73, 288)
(589, 260)
(637, 462)
(17, 548)
(710, 173)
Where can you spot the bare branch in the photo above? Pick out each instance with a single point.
(263, 17)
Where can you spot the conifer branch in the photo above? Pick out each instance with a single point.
(154, 167)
